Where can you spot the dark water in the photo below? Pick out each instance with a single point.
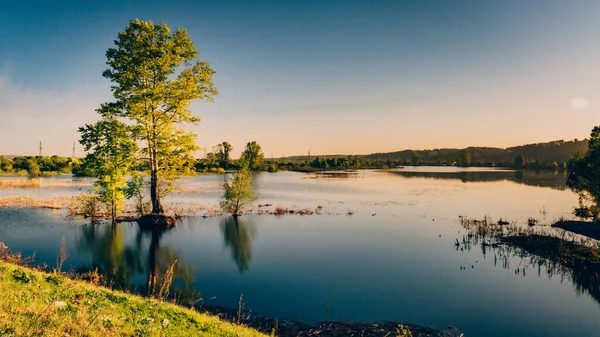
(394, 259)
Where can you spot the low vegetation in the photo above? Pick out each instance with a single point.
(559, 251)
(34, 303)
(27, 201)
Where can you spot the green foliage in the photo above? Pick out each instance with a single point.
(222, 153)
(583, 172)
(465, 158)
(23, 277)
(36, 307)
(520, 162)
(272, 167)
(110, 155)
(237, 192)
(135, 190)
(547, 153)
(33, 168)
(87, 204)
(416, 159)
(156, 75)
(402, 331)
(254, 156)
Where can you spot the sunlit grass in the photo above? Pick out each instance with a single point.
(33, 303)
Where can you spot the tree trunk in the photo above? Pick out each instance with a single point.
(154, 194)
(113, 209)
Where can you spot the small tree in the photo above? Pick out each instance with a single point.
(237, 193)
(110, 155)
(254, 156)
(583, 174)
(135, 190)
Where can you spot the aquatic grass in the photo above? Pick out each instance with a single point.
(20, 183)
(27, 201)
(559, 251)
(280, 210)
(33, 303)
(37, 182)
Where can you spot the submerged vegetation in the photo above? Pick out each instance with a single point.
(557, 251)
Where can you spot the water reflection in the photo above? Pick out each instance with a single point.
(552, 179)
(521, 262)
(237, 236)
(109, 254)
(125, 264)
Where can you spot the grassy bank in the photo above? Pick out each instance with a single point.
(33, 303)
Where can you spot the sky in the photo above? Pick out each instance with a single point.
(330, 77)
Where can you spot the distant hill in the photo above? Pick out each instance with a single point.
(556, 151)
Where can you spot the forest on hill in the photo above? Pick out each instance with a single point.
(556, 152)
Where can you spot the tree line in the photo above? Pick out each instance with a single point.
(36, 166)
(552, 155)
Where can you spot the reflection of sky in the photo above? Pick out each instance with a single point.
(367, 192)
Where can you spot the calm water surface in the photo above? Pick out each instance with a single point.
(393, 259)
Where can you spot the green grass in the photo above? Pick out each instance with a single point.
(34, 303)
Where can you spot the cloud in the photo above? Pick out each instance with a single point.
(29, 115)
(579, 103)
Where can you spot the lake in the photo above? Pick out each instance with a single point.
(382, 249)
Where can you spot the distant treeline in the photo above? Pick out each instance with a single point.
(551, 155)
(37, 166)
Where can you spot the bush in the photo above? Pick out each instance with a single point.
(87, 205)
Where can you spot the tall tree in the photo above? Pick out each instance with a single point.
(156, 74)
(223, 151)
(583, 171)
(253, 156)
(110, 155)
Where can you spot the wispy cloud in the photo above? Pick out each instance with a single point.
(579, 103)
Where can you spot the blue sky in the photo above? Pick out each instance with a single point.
(325, 76)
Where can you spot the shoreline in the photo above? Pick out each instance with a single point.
(26, 274)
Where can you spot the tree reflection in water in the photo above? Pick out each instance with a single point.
(238, 235)
(124, 264)
(553, 179)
